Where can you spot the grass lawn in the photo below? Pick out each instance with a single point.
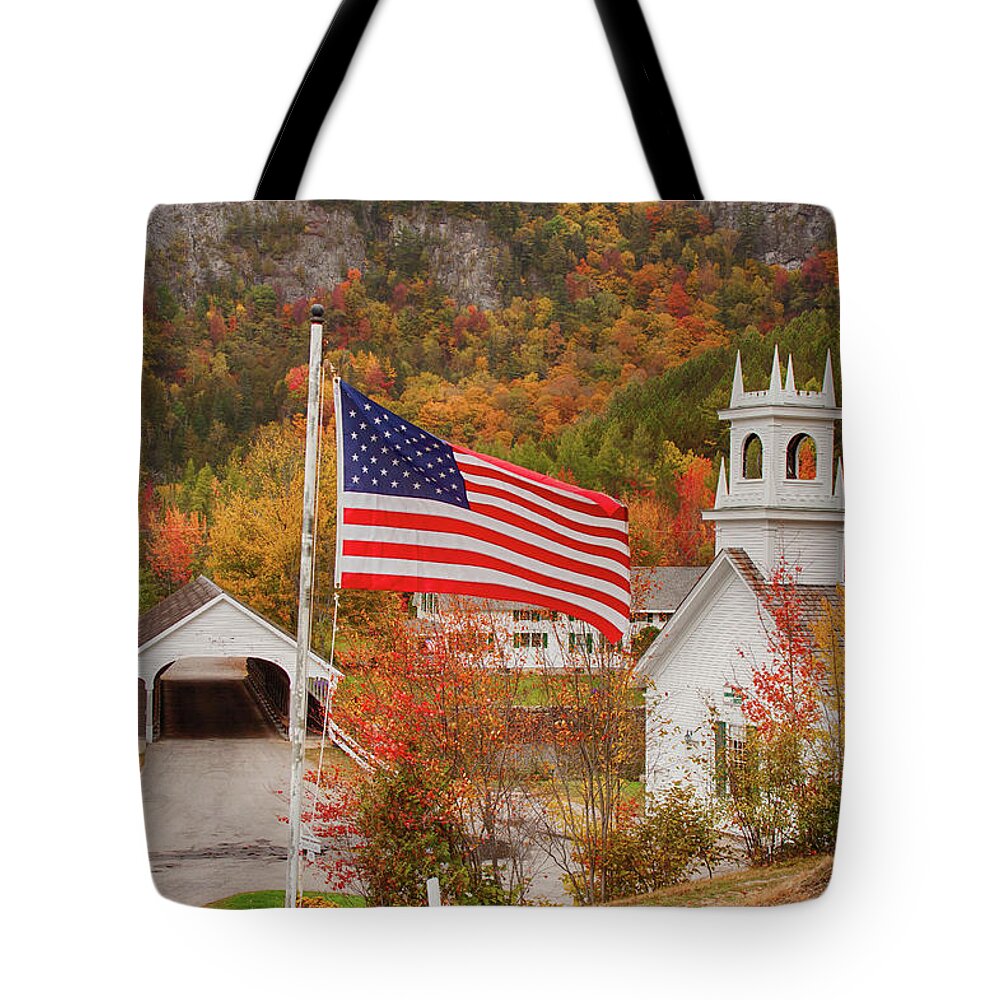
(554, 797)
(534, 690)
(267, 899)
(634, 790)
(787, 882)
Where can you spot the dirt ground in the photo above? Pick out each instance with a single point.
(793, 881)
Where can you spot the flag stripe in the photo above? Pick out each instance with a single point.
(500, 511)
(467, 557)
(480, 527)
(475, 487)
(476, 588)
(610, 506)
(472, 467)
(541, 560)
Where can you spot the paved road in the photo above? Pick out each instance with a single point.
(212, 804)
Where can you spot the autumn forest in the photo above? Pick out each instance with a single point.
(590, 342)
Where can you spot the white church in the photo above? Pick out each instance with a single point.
(783, 499)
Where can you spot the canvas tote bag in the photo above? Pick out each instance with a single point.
(491, 553)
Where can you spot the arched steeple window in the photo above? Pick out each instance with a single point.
(800, 459)
(753, 457)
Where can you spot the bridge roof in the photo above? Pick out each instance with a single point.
(178, 605)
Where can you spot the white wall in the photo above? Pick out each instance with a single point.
(816, 547)
(220, 630)
(690, 673)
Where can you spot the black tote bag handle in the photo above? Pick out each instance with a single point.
(635, 56)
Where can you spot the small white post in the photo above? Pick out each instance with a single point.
(150, 688)
(299, 695)
(433, 891)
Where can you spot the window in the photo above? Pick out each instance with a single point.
(536, 640)
(581, 640)
(721, 770)
(800, 459)
(528, 616)
(429, 603)
(732, 694)
(730, 753)
(753, 457)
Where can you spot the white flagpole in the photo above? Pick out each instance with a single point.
(299, 697)
(340, 484)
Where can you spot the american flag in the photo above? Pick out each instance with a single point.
(418, 515)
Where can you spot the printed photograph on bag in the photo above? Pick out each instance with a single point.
(563, 623)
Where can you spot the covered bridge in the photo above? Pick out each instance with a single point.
(202, 620)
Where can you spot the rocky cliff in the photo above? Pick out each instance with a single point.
(784, 234)
(297, 247)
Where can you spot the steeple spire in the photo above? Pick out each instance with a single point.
(774, 389)
(722, 489)
(790, 378)
(737, 382)
(828, 389)
(838, 486)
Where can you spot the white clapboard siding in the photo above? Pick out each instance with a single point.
(691, 679)
(816, 547)
(223, 627)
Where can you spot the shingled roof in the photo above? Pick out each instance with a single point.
(178, 605)
(662, 588)
(812, 597)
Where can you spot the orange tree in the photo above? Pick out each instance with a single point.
(784, 780)
(176, 542)
(441, 724)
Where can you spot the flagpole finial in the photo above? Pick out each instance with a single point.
(317, 313)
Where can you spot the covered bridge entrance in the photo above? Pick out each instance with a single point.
(210, 666)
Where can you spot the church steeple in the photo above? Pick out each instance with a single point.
(737, 394)
(784, 491)
(775, 387)
(722, 487)
(828, 390)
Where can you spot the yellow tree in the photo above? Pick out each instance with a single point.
(256, 531)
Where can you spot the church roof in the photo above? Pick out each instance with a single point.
(811, 596)
(178, 605)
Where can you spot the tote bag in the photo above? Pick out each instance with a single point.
(491, 553)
